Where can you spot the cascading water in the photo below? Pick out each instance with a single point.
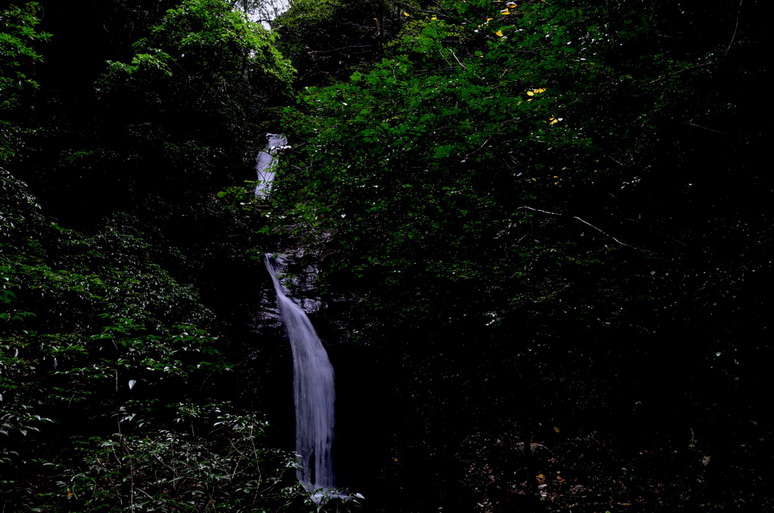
(314, 392)
(264, 163)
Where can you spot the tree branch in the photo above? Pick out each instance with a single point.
(315, 52)
(736, 28)
(581, 220)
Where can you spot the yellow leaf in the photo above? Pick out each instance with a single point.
(435, 18)
(553, 120)
(406, 14)
(499, 33)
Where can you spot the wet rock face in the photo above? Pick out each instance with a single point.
(267, 365)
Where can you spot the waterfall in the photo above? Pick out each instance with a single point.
(264, 163)
(313, 390)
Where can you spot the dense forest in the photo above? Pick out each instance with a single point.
(537, 235)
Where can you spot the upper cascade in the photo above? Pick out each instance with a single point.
(265, 163)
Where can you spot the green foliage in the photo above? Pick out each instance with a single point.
(481, 129)
(95, 337)
(173, 121)
(227, 468)
(387, 171)
(525, 201)
(326, 39)
(203, 56)
(19, 40)
(19, 36)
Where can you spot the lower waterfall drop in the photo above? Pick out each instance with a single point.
(314, 393)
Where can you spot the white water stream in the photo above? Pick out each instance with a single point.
(264, 163)
(314, 392)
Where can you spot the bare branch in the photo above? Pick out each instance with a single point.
(703, 128)
(314, 52)
(736, 28)
(682, 70)
(456, 59)
(581, 220)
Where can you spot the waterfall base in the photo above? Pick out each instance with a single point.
(325, 496)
